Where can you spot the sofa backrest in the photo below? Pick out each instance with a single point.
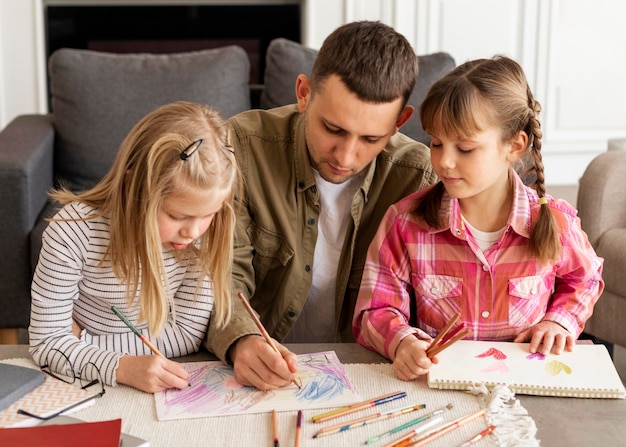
(287, 59)
(97, 97)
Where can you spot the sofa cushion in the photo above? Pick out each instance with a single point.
(97, 97)
(286, 59)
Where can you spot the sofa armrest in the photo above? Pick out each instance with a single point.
(601, 198)
(26, 175)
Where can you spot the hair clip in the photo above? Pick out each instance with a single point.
(190, 150)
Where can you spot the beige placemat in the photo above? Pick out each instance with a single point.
(138, 413)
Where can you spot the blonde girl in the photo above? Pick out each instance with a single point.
(154, 239)
(511, 260)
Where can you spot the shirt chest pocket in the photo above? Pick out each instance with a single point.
(272, 254)
(437, 295)
(528, 299)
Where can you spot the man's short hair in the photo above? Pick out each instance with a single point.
(372, 59)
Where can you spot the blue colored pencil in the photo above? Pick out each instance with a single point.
(365, 420)
(357, 407)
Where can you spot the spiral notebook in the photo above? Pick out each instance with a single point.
(587, 372)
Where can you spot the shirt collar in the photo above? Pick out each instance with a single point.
(519, 220)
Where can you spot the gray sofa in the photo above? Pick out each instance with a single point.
(96, 99)
(601, 207)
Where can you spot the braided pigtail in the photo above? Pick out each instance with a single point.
(544, 236)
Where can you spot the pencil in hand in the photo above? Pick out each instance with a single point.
(296, 381)
(137, 332)
(447, 337)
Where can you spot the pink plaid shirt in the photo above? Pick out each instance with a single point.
(498, 293)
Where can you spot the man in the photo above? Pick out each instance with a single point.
(318, 177)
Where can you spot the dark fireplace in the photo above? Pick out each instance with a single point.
(174, 28)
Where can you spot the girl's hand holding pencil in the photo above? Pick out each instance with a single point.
(414, 357)
(149, 373)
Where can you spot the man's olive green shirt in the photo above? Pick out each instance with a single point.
(277, 215)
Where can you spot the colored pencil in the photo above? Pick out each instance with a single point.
(445, 329)
(298, 428)
(441, 347)
(275, 427)
(358, 407)
(393, 431)
(474, 439)
(261, 328)
(137, 332)
(365, 420)
(406, 439)
(446, 337)
(446, 429)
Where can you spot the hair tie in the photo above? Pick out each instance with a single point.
(543, 201)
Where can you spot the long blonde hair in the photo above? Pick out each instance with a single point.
(147, 168)
(498, 86)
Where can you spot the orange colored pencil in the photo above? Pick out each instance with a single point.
(298, 428)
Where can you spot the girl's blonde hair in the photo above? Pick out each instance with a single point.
(498, 89)
(147, 168)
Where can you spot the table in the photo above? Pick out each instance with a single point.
(560, 421)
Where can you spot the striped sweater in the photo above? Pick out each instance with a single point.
(71, 283)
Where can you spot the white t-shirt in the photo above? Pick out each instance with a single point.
(483, 239)
(316, 323)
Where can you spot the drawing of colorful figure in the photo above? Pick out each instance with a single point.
(215, 387)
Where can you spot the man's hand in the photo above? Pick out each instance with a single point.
(257, 364)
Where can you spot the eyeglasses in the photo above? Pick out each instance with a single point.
(89, 377)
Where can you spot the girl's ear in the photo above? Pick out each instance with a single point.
(517, 146)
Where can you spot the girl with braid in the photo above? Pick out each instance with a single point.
(512, 261)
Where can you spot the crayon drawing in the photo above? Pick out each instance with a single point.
(215, 392)
(587, 371)
(554, 368)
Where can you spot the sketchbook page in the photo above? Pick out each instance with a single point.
(588, 371)
(215, 392)
(48, 398)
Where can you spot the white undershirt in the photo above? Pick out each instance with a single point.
(316, 323)
(483, 239)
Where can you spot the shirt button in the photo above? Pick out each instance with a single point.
(458, 231)
(434, 290)
(485, 268)
(307, 268)
(300, 184)
(311, 221)
(314, 188)
(291, 314)
(533, 291)
(484, 314)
